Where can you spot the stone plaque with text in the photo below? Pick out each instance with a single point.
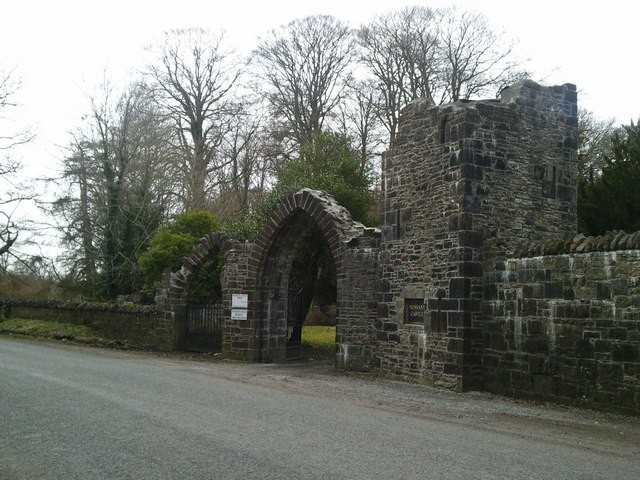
(414, 310)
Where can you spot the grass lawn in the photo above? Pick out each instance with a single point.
(318, 342)
(319, 336)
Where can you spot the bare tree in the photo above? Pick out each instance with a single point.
(594, 142)
(76, 212)
(359, 118)
(9, 86)
(306, 65)
(246, 148)
(442, 56)
(118, 182)
(399, 51)
(11, 192)
(192, 79)
(475, 59)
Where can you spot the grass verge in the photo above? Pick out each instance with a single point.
(318, 342)
(51, 329)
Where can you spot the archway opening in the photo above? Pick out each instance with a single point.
(298, 275)
(203, 306)
(312, 295)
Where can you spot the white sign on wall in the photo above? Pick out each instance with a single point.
(238, 314)
(239, 300)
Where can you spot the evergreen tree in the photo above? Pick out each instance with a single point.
(327, 162)
(611, 200)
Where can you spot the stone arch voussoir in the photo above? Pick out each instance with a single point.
(209, 245)
(333, 219)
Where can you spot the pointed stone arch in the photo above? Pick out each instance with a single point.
(172, 293)
(332, 218)
(258, 272)
(356, 272)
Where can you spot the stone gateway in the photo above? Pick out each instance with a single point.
(437, 294)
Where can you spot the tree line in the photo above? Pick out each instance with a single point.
(608, 176)
(201, 129)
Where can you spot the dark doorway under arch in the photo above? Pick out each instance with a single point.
(312, 282)
(289, 282)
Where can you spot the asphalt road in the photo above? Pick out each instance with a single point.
(80, 413)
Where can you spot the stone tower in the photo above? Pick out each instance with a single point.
(464, 184)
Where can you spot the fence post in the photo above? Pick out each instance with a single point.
(179, 326)
(5, 309)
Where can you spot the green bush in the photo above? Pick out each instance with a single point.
(330, 163)
(172, 243)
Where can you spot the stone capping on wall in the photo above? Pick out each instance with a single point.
(82, 306)
(610, 241)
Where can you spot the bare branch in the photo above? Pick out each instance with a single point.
(399, 50)
(306, 65)
(11, 194)
(476, 59)
(192, 80)
(442, 56)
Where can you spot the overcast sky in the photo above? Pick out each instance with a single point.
(61, 48)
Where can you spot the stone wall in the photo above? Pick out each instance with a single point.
(464, 184)
(357, 289)
(138, 325)
(565, 328)
(238, 336)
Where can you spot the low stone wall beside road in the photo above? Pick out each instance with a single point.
(137, 324)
